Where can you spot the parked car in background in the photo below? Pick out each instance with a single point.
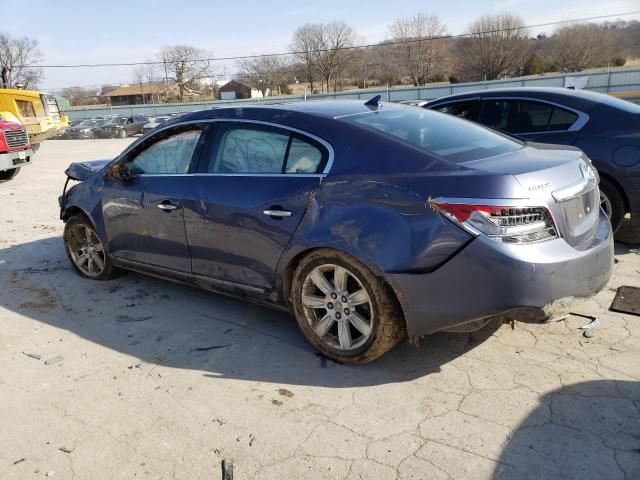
(112, 127)
(15, 149)
(122, 127)
(154, 122)
(61, 135)
(607, 129)
(368, 223)
(86, 129)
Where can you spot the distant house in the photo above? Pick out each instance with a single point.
(234, 90)
(137, 94)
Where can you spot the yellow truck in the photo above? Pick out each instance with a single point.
(39, 113)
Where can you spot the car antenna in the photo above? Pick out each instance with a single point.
(374, 103)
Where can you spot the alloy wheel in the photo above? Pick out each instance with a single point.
(86, 250)
(605, 204)
(337, 307)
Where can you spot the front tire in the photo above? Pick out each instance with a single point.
(6, 175)
(122, 133)
(612, 203)
(343, 309)
(86, 251)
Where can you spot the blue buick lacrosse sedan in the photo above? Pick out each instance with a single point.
(369, 222)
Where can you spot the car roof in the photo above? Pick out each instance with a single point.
(567, 94)
(319, 108)
(584, 100)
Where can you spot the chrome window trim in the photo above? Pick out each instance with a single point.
(580, 122)
(206, 174)
(323, 142)
(436, 107)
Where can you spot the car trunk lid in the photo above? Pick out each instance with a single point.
(560, 179)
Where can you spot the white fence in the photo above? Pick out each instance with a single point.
(608, 81)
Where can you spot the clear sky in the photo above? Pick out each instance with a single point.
(134, 30)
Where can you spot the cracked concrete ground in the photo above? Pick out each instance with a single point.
(136, 399)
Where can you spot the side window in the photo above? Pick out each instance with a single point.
(250, 150)
(303, 157)
(461, 109)
(561, 120)
(528, 117)
(170, 155)
(25, 108)
(494, 114)
(525, 116)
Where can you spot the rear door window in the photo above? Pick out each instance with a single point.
(459, 109)
(303, 157)
(250, 150)
(561, 120)
(256, 149)
(525, 116)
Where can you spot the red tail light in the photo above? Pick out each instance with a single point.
(503, 223)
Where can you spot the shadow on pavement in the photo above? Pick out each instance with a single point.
(585, 431)
(163, 323)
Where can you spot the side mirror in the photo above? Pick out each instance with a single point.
(119, 172)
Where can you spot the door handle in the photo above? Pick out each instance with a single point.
(167, 206)
(277, 213)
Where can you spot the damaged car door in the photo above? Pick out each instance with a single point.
(251, 191)
(142, 201)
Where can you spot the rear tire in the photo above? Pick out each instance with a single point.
(6, 175)
(612, 203)
(85, 250)
(343, 309)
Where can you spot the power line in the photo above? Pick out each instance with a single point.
(354, 47)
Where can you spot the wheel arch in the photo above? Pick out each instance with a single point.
(616, 184)
(293, 262)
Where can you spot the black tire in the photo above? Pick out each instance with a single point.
(35, 147)
(615, 200)
(6, 175)
(73, 247)
(122, 133)
(386, 327)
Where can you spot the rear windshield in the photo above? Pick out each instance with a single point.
(449, 137)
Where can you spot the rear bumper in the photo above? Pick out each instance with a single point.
(11, 160)
(488, 278)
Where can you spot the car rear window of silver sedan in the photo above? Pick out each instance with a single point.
(449, 137)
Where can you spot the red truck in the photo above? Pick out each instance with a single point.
(15, 149)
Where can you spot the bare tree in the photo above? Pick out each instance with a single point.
(304, 43)
(324, 49)
(186, 66)
(80, 96)
(424, 51)
(17, 55)
(577, 47)
(267, 74)
(144, 75)
(331, 52)
(497, 47)
(385, 65)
